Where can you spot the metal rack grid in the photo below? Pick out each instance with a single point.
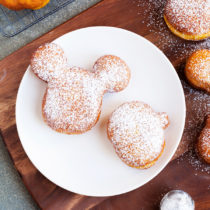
(14, 22)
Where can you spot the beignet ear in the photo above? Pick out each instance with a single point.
(48, 62)
(164, 119)
(113, 71)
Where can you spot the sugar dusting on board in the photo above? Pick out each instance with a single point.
(196, 162)
(197, 102)
(151, 14)
(49, 61)
(196, 113)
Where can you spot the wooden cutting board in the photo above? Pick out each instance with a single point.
(143, 18)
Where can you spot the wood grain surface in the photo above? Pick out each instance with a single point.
(144, 18)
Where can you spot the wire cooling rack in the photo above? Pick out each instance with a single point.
(14, 22)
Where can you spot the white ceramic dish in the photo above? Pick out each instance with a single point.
(87, 164)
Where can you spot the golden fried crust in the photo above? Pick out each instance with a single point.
(62, 130)
(197, 69)
(203, 145)
(188, 19)
(24, 4)
(186, 36)
(150, 163)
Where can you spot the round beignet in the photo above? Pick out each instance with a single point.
(197, 69)
(188, 19)
(137, 133)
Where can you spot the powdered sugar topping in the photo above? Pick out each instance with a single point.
(136, 132)
(49, 62)
(73, 103)
(113, 71)
(198, 67)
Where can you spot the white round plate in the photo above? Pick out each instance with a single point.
(87, 163)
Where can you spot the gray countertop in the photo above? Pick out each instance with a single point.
(13, 194)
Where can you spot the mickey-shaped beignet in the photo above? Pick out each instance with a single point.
(73, 98)
(137, 133)
(197, 69)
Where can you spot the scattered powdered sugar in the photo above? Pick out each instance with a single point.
(197, 102)
(197, 111)
(177, 200)
(198, 106)
(151, 14)
(196, 162)
(189, 16)
(137, 133)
